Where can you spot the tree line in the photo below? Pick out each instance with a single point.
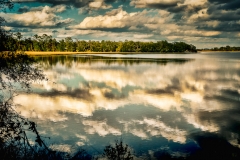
(48, 43)
(226, 48)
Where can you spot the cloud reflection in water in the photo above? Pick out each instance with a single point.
(145, 100)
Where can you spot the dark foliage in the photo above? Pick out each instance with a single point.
(164, 155)
(211, 146)
(226, 48)
(48, 43)
(18, 68)
(81, 155)
(214, 146)
(4, 36)
(17, 72)
(118, 152)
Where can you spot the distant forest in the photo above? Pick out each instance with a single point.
(48, 43)
(227, 48)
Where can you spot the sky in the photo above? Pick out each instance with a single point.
(203, 23)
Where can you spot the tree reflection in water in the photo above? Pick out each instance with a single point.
(50, 61)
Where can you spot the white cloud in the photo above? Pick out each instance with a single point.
(203, 125)
(118, 18)
(47, 9)
(61, 147)
(165, 103)
(154, 127)
(194, 2)
(94, 6)
(41, 17)
(193, 97)
(146, 24)
(113, 21)
(101, 128)
(99, 4)
(142, 36)
(50, 108)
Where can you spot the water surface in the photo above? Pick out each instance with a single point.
(152, 102)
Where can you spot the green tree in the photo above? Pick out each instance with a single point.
(81, 46)
(69, 44)
(61, 45)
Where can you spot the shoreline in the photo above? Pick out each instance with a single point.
(32, 53)
(215, 51)
(37, 53)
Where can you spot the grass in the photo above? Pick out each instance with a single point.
(69, 53)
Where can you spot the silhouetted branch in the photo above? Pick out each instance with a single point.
(17, 72)
(18, 68)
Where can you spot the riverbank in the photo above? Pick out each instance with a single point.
(32, 53)
(71, 53)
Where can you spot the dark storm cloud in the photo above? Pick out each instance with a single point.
(23, 9)
(22, 30)
(231, 6)
(75, 3)
(226, 4)
(124, 29)
(171, 6)
(225, 122)
(213, 8)
(186, 9)
(231, 92)
(139, 28)
(229, 98)
(110, 95)
(221, 1)
(226, 12)
(77, 93)
(120, 30)
(176, 86)
(111, 1)
(162, 5)
(177, 9)
(238, 12)
(231, 26)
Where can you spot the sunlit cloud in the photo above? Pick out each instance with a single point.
(38, 17)
(61, 148)
(153, 127)
(101, 128)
